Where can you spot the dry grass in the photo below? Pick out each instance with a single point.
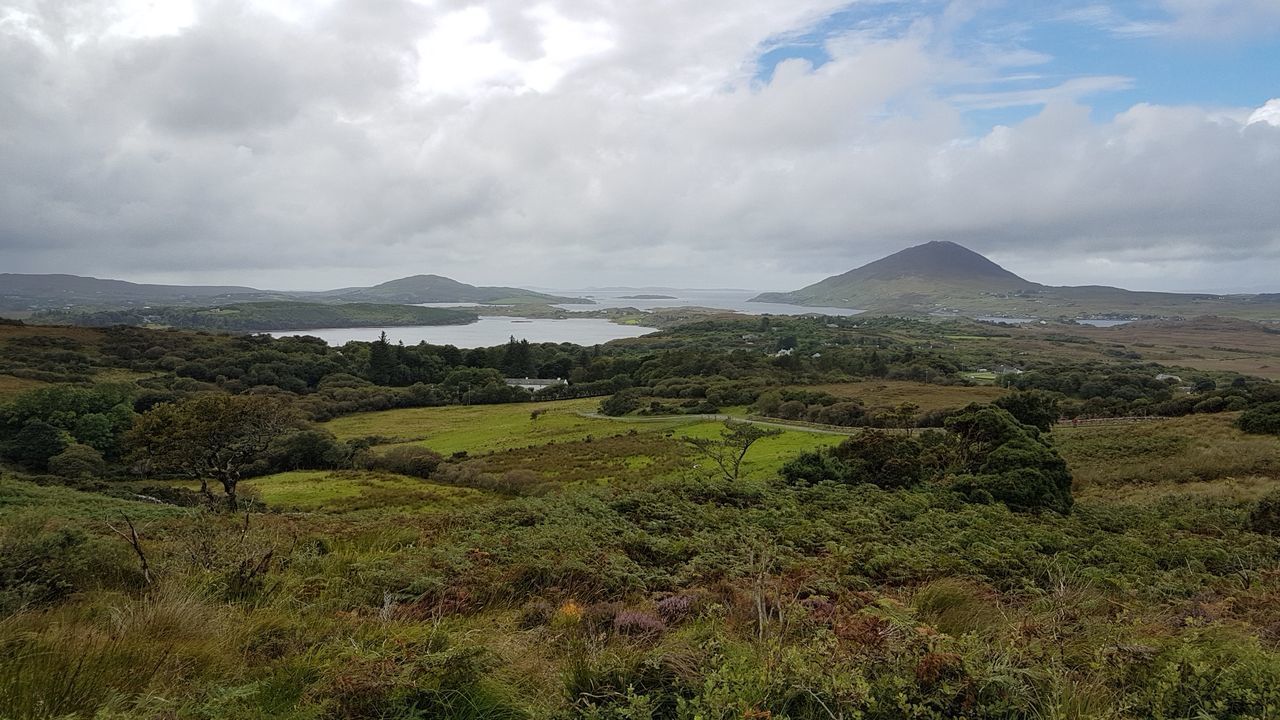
(11, 386)
(895, 392)
(1194, 449)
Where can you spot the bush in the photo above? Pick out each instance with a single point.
(1262, 420)
(1036, 408)
(1009, 462)
(77, 461)
(1265, 516)
(412, 460)
(621, 403)
(34, 444)
(40, 564)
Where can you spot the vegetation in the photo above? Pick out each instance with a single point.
(264, 316)
(205, 526)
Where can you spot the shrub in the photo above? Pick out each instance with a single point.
(1262, 420)
(1009, 462)
(1036, 408)
(412, 460)
(1265, 516)
(39, 564)
(77, 461)
(34, 444)
(885, 459)
(638, 623)
(621, 403)
(675, 608)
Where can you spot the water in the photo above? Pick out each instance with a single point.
(486, 332)
(735, 300)
(1011, 321)
(1023, 321)
(1104, 323)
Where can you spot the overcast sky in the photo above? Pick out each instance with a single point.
(747, 143)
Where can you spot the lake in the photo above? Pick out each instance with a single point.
(486, 332)
(1021, 321)
(735, 300)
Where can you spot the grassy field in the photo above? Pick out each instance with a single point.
(563, 446)
(895, 392)
(486, 428)
(11, 386)
(1192, 449)
(346, 491)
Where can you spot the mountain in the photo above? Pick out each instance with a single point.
(946, 278)
(19, 292)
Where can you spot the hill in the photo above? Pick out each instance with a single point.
(436, 289)
(947, 278)
(21, 292)
(267, 316)
(34, 293)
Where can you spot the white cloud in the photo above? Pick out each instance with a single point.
(1268, 113)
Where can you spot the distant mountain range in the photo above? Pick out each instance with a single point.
(946, 278)
(19, 292)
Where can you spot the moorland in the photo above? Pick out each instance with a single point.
(866, 517)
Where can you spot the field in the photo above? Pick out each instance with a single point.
(545, 561)
(350, 491)
(562, 444)
(1175, 452)
(891, 393)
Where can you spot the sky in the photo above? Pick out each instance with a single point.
(765, 144)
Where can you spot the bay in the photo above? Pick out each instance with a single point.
(486, 332)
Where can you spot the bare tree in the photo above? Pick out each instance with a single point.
(135, 542)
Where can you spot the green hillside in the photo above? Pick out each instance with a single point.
(946, 278)
(265, 316)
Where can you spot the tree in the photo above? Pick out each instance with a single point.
(731, 447)
(904, 416)
(211, 437)
(1007, 461)
(1036, 408)
(34, 444)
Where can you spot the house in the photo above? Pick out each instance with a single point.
(533, 384)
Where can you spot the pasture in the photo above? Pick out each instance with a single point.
(890, 393)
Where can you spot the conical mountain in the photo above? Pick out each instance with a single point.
(919, 278)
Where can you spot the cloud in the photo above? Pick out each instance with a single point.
(596, 142)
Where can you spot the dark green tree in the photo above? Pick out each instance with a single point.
(34, 444)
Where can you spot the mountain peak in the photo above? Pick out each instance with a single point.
(906, 279)
(940, 260)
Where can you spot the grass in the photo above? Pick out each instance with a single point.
(1192, 449)
(11, 386)
(489, 428)
(875, 393)
(629, 457)
(345, 491)
(18, 496)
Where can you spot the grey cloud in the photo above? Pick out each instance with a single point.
(250, 149)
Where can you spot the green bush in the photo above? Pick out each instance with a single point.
(1265, 516)
(34, 444)
(1262, 420)
(42, 564)
(77, 461)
